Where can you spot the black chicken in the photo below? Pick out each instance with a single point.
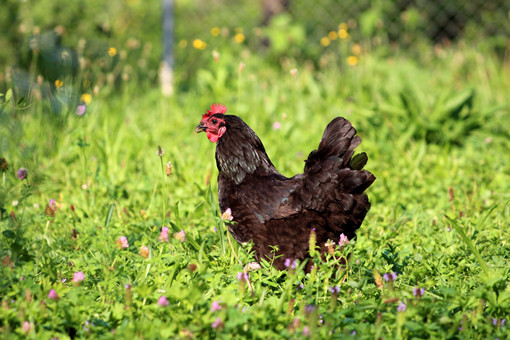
(273, 210)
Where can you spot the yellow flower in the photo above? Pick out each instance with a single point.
(112, 51)
(356, 49)
(239, 38)
(332, 35)
(183, 43)
(199, 44)
(342, 33)
(58, 83)
(215, 31)
(343, 26)
(86, 98)
(325, 41)
(352, 60)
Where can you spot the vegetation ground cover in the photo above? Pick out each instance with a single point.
(85, 253)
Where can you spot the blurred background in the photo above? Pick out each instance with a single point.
(96, 44)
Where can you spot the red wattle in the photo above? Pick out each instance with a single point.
(212, 137)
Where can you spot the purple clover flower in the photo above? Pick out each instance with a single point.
(290, 263)
(390, 277)
(52, 204)
(81, 109)
(309, 309)
(501, 322)
(241, 276)
(418, 292)
(22, 174)
(334, 290)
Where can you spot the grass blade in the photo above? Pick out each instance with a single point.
(109, 215)
(470, 244)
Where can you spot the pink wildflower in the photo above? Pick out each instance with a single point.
(163, 237)
(215, 306)
(180, 236)
(122, 242)
(227, 215)
(343, 240)
(52, 295)
(26, 327)
(162, 301)
(217, 323)
(78, 277)
(144, 252)
(81, 109)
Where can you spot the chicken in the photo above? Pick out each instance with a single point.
(278, 213)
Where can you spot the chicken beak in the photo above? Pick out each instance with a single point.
(200, 128)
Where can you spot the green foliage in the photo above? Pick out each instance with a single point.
(449, 118)
(436, 138)
(73, 41)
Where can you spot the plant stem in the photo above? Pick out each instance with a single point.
(164, 192)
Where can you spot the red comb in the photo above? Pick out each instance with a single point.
(215, 108)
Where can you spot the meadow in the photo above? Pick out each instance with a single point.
(102, 238)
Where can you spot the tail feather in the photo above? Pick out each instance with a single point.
(358, 162)
(339, 140)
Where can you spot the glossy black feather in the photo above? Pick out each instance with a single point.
(273, 210)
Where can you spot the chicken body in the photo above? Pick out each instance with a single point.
(278, 213)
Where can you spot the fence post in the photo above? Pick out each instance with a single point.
(166, 70)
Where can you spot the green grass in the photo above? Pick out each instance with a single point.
(437, 137)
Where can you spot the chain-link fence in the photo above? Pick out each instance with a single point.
(123, 39)
(401, 21)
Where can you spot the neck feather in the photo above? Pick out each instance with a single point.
(239, 152)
